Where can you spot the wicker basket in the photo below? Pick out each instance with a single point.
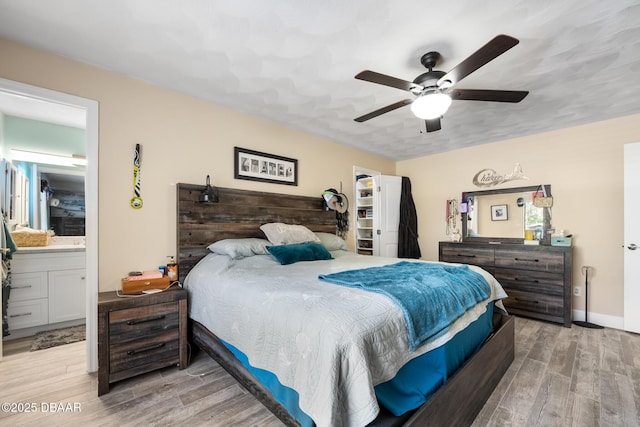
(24, 239)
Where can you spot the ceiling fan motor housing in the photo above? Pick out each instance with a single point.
(428, 80)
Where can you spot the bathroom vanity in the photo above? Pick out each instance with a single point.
(48, 288)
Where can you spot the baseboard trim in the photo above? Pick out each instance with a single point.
(605, 320)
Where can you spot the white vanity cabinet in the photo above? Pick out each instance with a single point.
(46, 288)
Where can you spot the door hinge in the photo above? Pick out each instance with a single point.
(378, 232)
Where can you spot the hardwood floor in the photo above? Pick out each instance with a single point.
(560, 377)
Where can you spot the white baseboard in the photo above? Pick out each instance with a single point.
(605, 320)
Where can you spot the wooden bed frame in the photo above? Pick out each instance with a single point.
(239, 214)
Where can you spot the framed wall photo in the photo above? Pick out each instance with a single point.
(499, 213)
(257, 166)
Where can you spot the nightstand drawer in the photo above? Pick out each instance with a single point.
(160, 348)
(132, 323)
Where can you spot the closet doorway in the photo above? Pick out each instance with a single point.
(53, 99)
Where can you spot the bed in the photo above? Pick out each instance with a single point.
(239, 215)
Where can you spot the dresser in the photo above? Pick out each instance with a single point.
(140, 334)
(537, 279)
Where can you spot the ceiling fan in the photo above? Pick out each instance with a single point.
(434, 89)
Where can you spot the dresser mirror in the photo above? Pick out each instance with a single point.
(504, 215)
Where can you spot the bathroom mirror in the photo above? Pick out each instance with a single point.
(503, 215)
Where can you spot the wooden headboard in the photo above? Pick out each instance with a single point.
(238, 214)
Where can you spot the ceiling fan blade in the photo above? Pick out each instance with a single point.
(487, 53)
(487, 95)
(383, 79)
(433, 125)
(383, 110)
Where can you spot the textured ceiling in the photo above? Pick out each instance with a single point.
(293, 62)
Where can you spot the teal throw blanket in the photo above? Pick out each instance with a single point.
(431, 296)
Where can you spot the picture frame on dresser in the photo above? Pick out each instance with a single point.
(499, 213)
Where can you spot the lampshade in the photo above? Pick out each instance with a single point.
(431, 105)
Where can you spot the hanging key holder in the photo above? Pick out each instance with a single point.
(136, 200)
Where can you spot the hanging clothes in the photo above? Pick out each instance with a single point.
(8, 247)
(408, 246)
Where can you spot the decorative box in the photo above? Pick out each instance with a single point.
(137, 286)
(561, 241)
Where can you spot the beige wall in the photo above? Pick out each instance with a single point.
(183, 139)
(583, 165)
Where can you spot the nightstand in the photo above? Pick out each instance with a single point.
(140, 334)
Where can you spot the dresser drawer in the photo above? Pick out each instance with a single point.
(26, 314)
(530, 281)
(534, 302)
(467, 255)
(151, 320)
(159, 349)
(28, 286)
(525, 260)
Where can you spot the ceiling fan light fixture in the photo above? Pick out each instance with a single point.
(431, 105)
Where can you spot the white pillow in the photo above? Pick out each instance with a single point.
(332, 242)
(287, 234)
(240, 248)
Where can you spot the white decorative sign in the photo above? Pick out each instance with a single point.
(489, 177)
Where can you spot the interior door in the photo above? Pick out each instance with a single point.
(631, 237)
(388, 215)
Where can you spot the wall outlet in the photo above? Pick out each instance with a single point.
(576, 291)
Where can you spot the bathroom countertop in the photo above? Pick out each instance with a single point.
(57, 244)
(51, 248)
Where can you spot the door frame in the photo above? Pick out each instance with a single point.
(91, 198)
(631, 316)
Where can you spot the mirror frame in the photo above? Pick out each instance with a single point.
(546, 216)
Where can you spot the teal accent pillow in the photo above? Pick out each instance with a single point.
(290, 254)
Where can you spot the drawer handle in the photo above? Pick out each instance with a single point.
(142, 350)
(527, 280)
(467, 256)
(525, 259)
(22, 287)
(20, 314)
(527, 300)
(148, 319)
